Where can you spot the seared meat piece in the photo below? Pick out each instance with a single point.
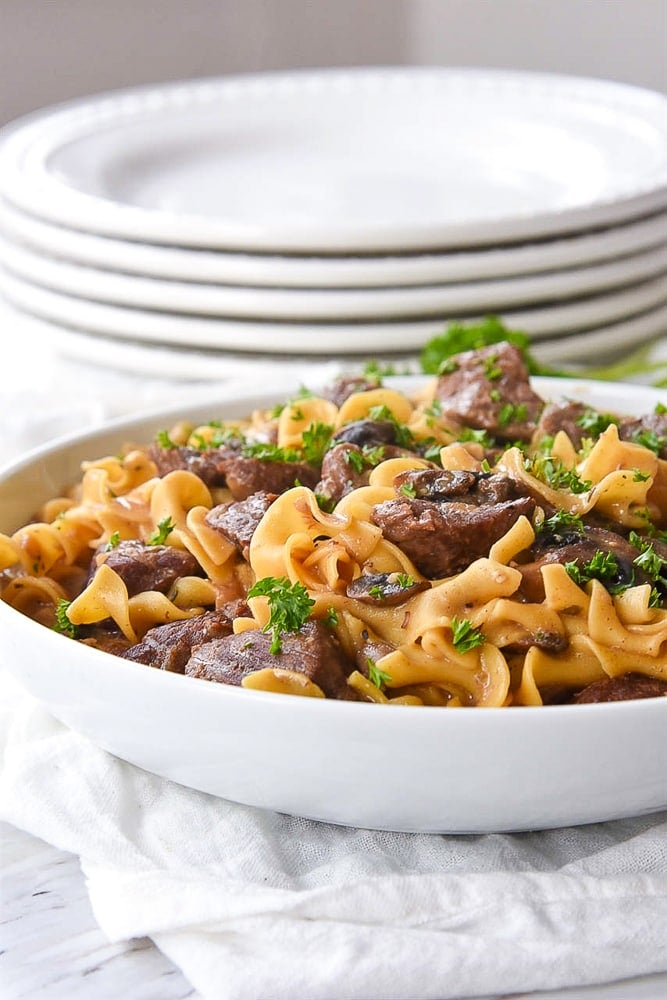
(346, 467)
(104, 635)
(489, 389)
(372, 651)
(563, 417)
(366, 433)
(624, 688)
(237, 521)
(566, 546)
(653, 425)
(146, 567)
(169, 647)
(384, 588)
(313, 651)
(248, 475)
(209, 464)
(345, 386)
(444, 538)
(343, 470)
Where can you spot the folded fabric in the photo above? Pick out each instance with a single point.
(253, 904)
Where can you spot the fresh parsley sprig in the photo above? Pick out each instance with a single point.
(465, 636)
(289, 606)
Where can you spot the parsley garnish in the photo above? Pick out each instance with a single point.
(164, 441)
(331, 617)
(114, 540)
(551, 471)
(649, 439)
(62, 623)
(164, 529)
(375, 675)
(594, 422)
(561, 520)
(404, 437)
(315, 441)
(603, 567)
(289, 606)
(266, 452)
(404, 580)
(510, 412)
(648, 559)
(408, 490)
(465, 636)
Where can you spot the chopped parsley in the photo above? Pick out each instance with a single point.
(404, 580)
(266, 452)
(404, 436)
(315, 439)
(648, 559)
(62, 623)
(114, 540)
(561, 521)
(408, 490)
(551, 471)
(492, 370)
(331, 618)
(649, 439)
(164, 441)
(164, 529)
(603, 566)
(465, 636)
(512, 413)
(375, 675)
(594, 422)
(289, 606)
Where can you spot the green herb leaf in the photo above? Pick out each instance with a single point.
(289, 606)
(62, 622)
(114, 540)
(375, 675)
(164, 529)
(465, 636)
(164, 441)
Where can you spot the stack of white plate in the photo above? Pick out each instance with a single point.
(330, 213)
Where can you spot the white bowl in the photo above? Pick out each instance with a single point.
(402, 768)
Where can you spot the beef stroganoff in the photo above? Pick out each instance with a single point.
(472, 545)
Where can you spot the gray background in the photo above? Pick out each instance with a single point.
(53, 50)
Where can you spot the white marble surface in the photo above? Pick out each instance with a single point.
(51, 945)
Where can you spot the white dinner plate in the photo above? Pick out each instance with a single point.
(195, 364)
(291, 271)
(331, 305)
(402, 768)
(314, 338)
(345, 160)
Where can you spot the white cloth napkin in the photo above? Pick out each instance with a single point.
(253, 904)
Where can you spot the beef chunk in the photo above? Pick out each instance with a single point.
(489, 389)
(444, 538)
(147, 567)
(169, 647)
(624, 688)
(209, 464)
(568, 545)
(105, 636)
(346, 467)
(345, 386)
(653, 427)
(237, 521)
(343, 470)
(563, 417)
(313, 651)
(367, 433)
(248, 475)
(384, 588)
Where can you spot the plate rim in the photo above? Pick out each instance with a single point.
(61, 202)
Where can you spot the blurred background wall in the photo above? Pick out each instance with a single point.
(53, 50)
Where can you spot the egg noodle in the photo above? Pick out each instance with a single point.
(596, 633)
